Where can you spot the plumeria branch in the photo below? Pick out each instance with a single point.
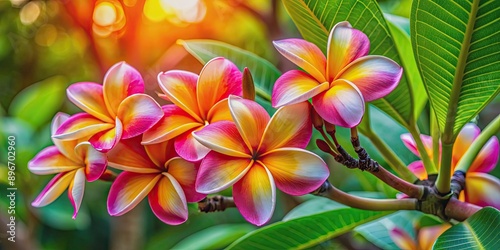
(216, 203)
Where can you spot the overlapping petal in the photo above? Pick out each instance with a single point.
(167, 201)
(160, 153)
(51, 161)
(255, 195)
(76, 189)
(223, 137)
(375, 76)
(217, 172)
(305, 55)
(412, 146)
(464, 139)
(482, 189)
(106, 140)
(220, 112)
(174, 123)
(129, 155)
(250, 119)
(218, 79)
(487, 158)
(138, 113)
(89, 97)
(79, 126)
(67, 147)
(128, 190)
(180, 88)
(120, 81)
(295, 171)
(185, 172)
(95, 161)
(54, 189)
(417, 168)
(296, 86)
(189, 148)
(345, 45)
(290, 126)
(341, 105)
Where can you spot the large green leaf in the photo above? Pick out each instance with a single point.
(315, 19)
(306, 231)
(264, 73)
(480, 231)
(456, 44)
(215, 237)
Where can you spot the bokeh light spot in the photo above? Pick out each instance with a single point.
(30, 12)
(46, 35)
(105, 14)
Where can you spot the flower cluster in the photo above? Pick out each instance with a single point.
(209, 138)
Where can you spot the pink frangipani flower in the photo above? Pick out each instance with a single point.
(197, 102)
(480, 188)
(116, 110)
(256, 153)
(73, 161)
(154, 171)
(340, 83)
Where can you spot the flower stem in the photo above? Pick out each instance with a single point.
(470, 155)
(429, 166)
(330, 192)
(412, 190)
(443, 179)
(435, 138)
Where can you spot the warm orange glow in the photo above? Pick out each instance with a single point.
(46, 35)
(108, 17)
(105, 14)
(30, 12)
(175, 11)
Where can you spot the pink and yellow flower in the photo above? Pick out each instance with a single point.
(340, 83)
(256, 153)
(480, 188)
(426, 236)
(154, 171)
(116, 110)
(197, 102)
(73, 161)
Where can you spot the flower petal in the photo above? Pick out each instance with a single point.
(185, 172)
(174, 123)
(121, 81)
(95, 161)
(220, 112)
(129, 155)
(218, 79)
(295, 86)
(375, 76)
(402, 239)
(167, 201)
(180, 88)
(75, 191)
(482, 189)
(428, 235)
(217, 172)
(160, 153)
(464, 139)
(250, 118)
(224, 138)
(88, 96)
(79, 126)
(106, 140)
(341, 105)
(67, 148)
(189, 148)
(51, 161)
(487, 158)
(295, 171)
(255, 195)
(290, 126)
(54, 189)
(345, 45)
(412, 146)
(305, 55)
(58, 119)
(138, 113)
(128, 190)
(418, 169)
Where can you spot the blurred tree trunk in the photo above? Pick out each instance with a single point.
(127, 230)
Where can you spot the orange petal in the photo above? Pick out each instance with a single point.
(185, 172)
(224, 138)
(160, 153)
(189, 148)
(250, 118)
(94, 161)
(89, 97)
(67, 147)
(167, 201)
(51, 161)
(402, 239)
(482, 189)
(106, 140)
(305, 55)
(54, 189)
(428, 235)
(417, 168)
(80, 125)
(129, 155)
(180, 88)
(296, 86)
(138, 113)
(220, 112)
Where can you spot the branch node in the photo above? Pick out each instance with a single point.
(216, 203)
(434, 203)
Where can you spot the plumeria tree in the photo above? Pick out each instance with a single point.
(241, 133)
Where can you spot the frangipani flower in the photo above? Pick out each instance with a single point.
(154, 171)
(426, 236)
(256, 153)
(116, 110)
(73, 161)
(339, 84)
(480, 188)
(198, 101)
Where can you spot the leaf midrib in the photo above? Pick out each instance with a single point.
(474, 235)
(448, 132)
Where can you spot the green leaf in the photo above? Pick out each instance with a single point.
(457, 50)
(315, 19)
(215, 237)
(264, 73)
(306, 231)
(480, 231)
(38, 103)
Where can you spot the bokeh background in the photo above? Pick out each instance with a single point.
(47, 45)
